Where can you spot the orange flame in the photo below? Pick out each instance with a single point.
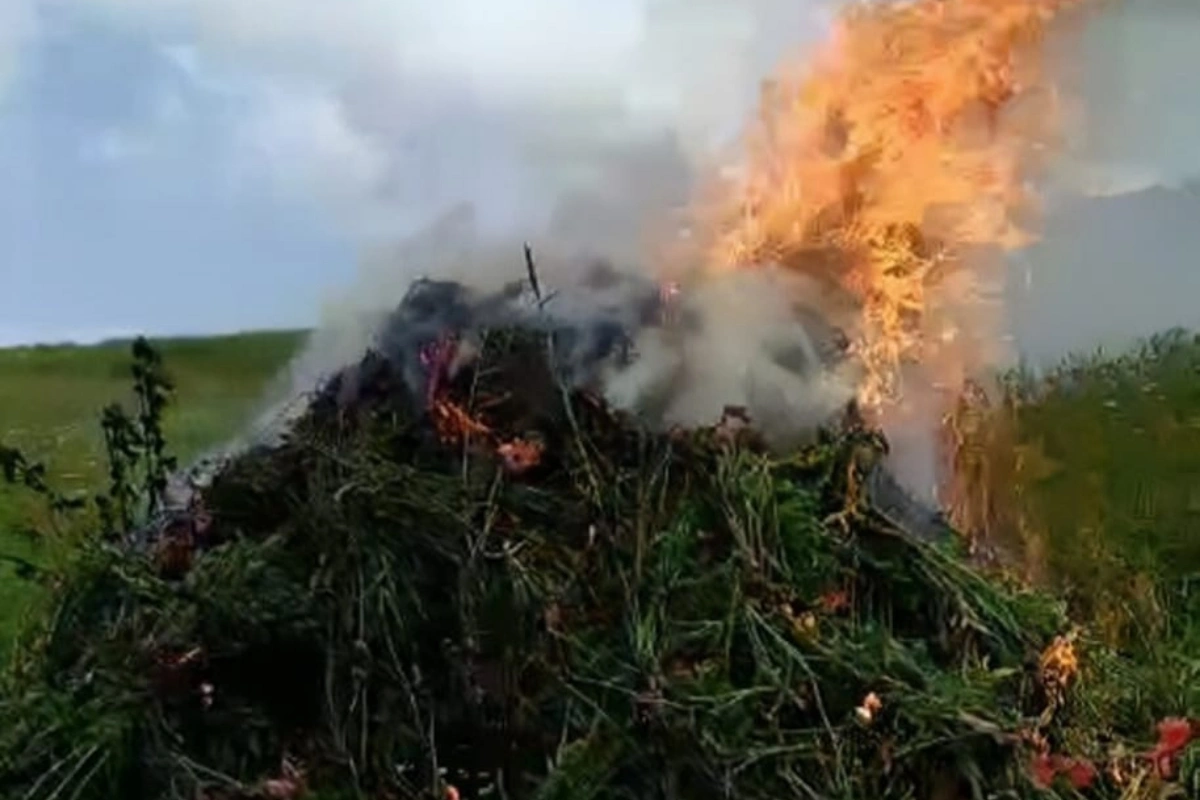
(905, 145)
(521, 455)
(454, 424)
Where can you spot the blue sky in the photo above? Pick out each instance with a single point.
(206, 165)
(189, 166)
(121, 208)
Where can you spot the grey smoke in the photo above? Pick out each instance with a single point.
(465, 128)
(1118, 228)
(745, 339)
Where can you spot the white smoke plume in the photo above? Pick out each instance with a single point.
(759, 342)
(578, 126)
(18, 27)
(593, 143)
(461, 131)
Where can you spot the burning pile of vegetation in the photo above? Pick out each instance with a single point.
(487, 583)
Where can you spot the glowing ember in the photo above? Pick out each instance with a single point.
(909, 140)
(453, 424)
(451, 421)
(520, 455)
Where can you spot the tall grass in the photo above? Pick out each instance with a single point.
(1093, 481)
(50, 402)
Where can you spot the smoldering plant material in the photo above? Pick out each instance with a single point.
(672, 354)
(660, 355)
(488, 580)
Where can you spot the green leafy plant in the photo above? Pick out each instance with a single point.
(136, 447)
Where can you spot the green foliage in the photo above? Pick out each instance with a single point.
(138, 464)
(1108, 487)
(49, 398)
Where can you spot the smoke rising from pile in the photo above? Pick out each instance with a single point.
(583, 128)
(597, 158)
(610, 195)
(740, 339)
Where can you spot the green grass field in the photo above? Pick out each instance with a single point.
(50, 403)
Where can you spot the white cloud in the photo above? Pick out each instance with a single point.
(114, 144)
(186, 59)
(512, 46)
(1138, 125)
(303, 144)
(389, 110)
(18, 27)
(156, 132)
(386, 106)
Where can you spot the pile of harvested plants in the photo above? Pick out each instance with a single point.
(491, 585)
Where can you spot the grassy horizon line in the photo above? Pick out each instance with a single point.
(158, 340)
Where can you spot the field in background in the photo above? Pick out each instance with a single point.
(1092, 476)
(1088, 479)
(50, 403)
